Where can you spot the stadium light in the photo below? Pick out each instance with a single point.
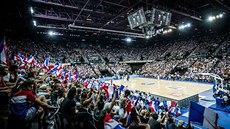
(210, 18)
(35, 24)
(221, 15)
(31, 10)
(147, 37)
(181, 27)
(51, 33)
(167, 31)
(128, 40)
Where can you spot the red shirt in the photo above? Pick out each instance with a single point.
(129, 106)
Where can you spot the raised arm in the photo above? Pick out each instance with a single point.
(98, 98)
(43, 104)
(113, 101)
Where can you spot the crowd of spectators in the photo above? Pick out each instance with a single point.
(79, 105)
(192, 55)
(82, 106)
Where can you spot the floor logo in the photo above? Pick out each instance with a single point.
(177, 94)
(147, 83)
(175, 87)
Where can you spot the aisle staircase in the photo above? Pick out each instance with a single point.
(226, 38)
(84, 57)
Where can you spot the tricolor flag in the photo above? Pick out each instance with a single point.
(110, 123)
(31, 60)
(54, 69)
(3, 51)
(25, 60)
(46, 63)
(61, 67)
(110, 91)
(16, 57)
(105, 88)
(203, 116)
(151, 106)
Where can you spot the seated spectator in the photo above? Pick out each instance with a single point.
(170, 124)
(180, 125)
(154, 124)
(24, 104)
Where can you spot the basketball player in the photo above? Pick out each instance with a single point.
(127, 77)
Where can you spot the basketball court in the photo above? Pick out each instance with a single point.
(176, 90)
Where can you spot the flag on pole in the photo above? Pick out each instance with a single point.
(46, 63)
(203, 116)
(3, 52)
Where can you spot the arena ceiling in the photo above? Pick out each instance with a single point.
(107, 14)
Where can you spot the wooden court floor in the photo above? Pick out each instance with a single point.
(177, 90)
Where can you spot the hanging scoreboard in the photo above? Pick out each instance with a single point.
(137, 18)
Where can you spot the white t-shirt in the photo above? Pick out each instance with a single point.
(122, 113)
(7, 77)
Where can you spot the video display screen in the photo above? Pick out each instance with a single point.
(161, 18)
(137, 18)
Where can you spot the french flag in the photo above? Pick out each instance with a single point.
(203, 116)
(105, 88)
(21, 66)
(16, 57)
(151, 106)
(66, 75)
(40, 65)
(177, 111)
(110, 91)
(59, 74)
(110, 123)
(122, 87)
(86, 83)
(61, 67)
(3, 49)
(25, 60)
(31, 60)
(55, 68)
(46, 63)
(96, 85)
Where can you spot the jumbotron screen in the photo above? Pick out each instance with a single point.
(161, 18)
(137, 18)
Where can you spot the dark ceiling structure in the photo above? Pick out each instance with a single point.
(103, 14)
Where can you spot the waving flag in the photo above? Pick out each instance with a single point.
(86, 83)
(165, 105)
(177, 111)
(61, 67)
(3, 49)
(31, 60)
(25, 60)
(105, 88)
(110, 123)
(21, 66)
(138, 98)
(55, 68)
(66, 75)
(46, 63)
(59, 74)
(203, 116)
(16, 57)
(122, 88)
(151, 106)
(110, 91)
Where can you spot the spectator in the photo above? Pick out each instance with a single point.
(154, 124)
